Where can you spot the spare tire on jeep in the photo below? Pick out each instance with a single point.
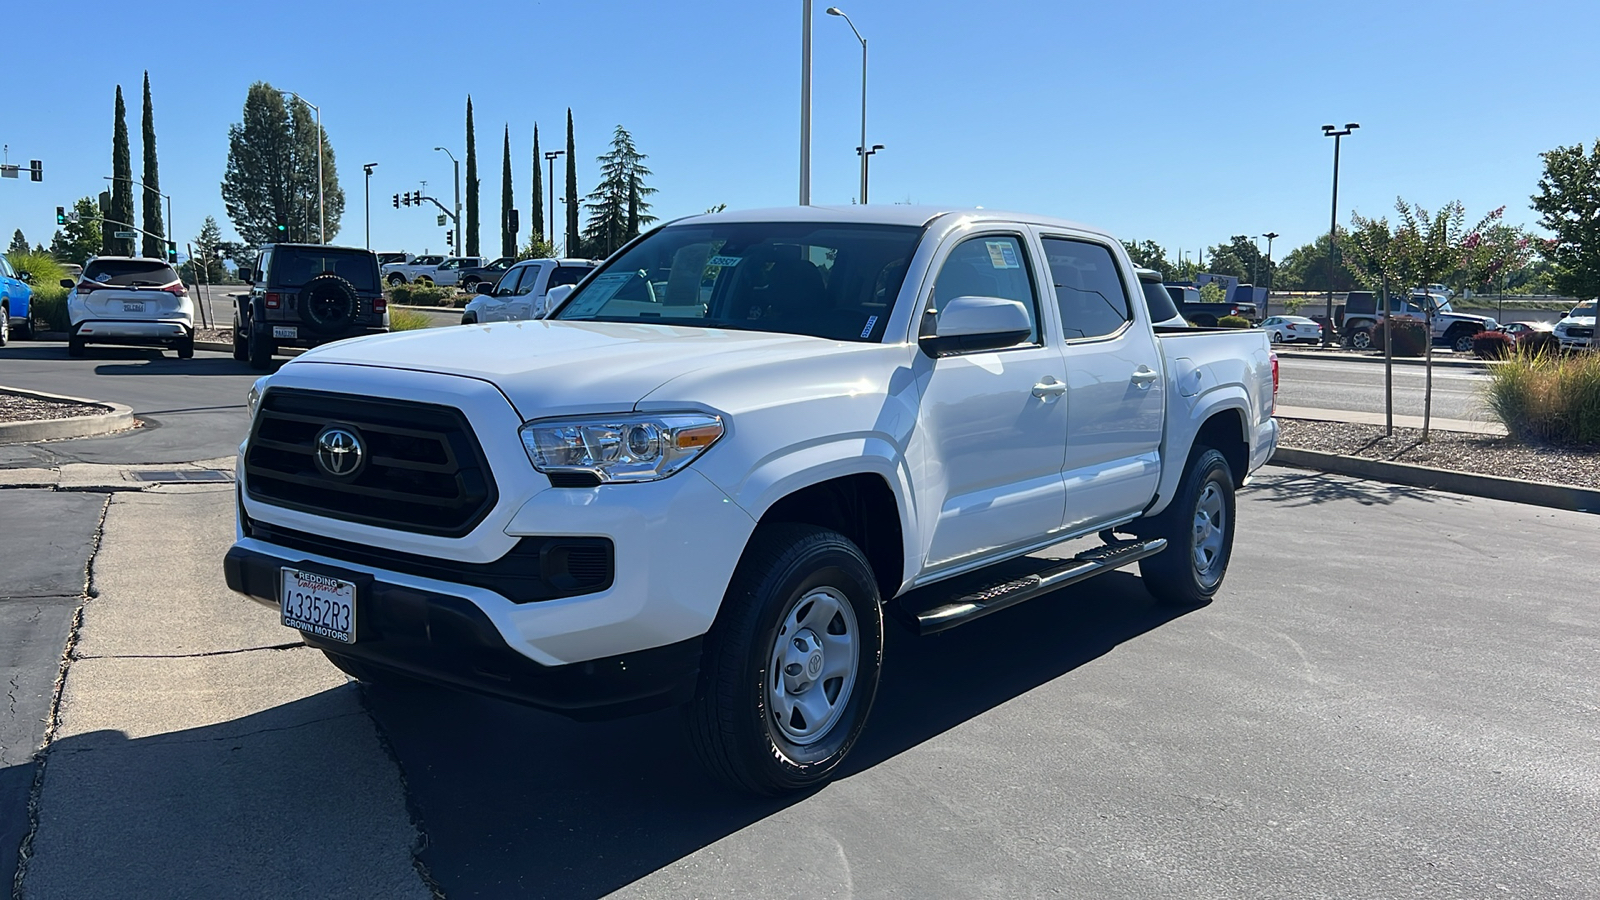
(329, 304)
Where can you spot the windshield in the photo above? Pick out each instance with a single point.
(294, 266)
(1583, 309)
(825, 280)
(130, 272)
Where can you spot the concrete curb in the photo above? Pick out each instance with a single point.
(432, 309)
(1535, 493)
(1337, 356)
(221, 347)
(116, 418)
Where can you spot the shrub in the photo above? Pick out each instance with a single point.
(1492, 344)
(1539, 343)
(1410, 336)
(48, 307)
(421, 295)
(1211, 292)
(402, 319)
(1549, 398)
(1233, 322)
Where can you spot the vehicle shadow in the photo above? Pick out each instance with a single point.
(171, 365)
(516, 802)
(1296, 488)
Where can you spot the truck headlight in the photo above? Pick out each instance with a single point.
(252, 400)
(622, 448)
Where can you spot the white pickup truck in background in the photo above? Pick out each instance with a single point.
(735, 447)
(523, 291)
(418, 267)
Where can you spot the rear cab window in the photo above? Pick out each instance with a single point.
(292, 267)
(568, 275)
(130, 273)
(1089, 288)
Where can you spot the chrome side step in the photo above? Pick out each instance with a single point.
(993, 595)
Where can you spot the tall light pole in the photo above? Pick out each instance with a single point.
(1333, 224)
(368, 167)
(167, 197)
(550, 157)
(1269, 236)
(322, 210)
(446, 152)
(805, 103)
(864, 171)
(836, 11)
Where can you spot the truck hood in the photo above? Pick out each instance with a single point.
(1576, 322)
(550, 368)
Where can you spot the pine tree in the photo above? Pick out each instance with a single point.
(472, 185)
(121, 209)
(19, 244)
(271, 179)
(508, 233)
(536, 208)
(152, 182)
(617, 206)
(574, 242)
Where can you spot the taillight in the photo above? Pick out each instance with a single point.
(176, 290)
(87, 287)
(381, 304)
(1274, 383)
(271, 300)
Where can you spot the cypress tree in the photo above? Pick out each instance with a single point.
(472, 186)
(536, 208)
(508, 234)
(121, 207)
(574, 243)
(153, 246)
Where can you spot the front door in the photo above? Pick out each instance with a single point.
(1115, 389)
(997, 418)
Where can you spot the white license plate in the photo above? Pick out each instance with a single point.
(133, 307)
(285, 331)
(319, 604)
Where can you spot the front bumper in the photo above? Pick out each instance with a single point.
(447, 639)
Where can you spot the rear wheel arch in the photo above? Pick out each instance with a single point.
(1227, 432)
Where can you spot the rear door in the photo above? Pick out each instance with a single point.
(131, 290)
(1115, 389)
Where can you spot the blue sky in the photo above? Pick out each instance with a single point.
(1182, 122)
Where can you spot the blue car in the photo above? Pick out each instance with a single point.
(14, 296)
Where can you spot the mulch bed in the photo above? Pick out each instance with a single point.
(1475, 453)
(18, 408)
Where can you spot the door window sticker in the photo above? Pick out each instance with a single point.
(723, 261)
(1002, 255)
(866, 330)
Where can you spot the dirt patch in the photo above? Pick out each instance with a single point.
(1478, 454)
(22, 408)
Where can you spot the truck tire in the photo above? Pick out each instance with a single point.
(241, 344)
(395, 278)
(329, 304)
(791, 666)
(1360, 339)
(1461, 340)
(1198, 526)
(260, 349)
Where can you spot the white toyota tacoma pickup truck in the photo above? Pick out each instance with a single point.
(737, 446)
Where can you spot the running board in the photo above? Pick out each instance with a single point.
(996, 593)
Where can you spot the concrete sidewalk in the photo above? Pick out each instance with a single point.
(1371, 418)
(200, 750)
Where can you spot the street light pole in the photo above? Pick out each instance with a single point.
(865, 172)
(452, 156)
(1269, 236)
(836, 11)
(368, 167)
(805, 103)
(550, 157)
(1333, 225)
(322, 210)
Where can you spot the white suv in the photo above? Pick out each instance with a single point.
(129, 300)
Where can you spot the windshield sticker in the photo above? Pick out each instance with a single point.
(866, 331)
(597, 294)
(723, 261)
(1002, 255)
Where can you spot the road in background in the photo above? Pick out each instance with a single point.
(221, 300)
(1337, 384)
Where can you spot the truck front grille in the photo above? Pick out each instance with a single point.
(419, 467)
(1580, 332)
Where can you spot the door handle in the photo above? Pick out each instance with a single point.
(1049, 388)
(1144, 376)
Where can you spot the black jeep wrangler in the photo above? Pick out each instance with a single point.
(302, 295)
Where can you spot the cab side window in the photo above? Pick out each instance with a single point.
(1089, 289)
(988, 266)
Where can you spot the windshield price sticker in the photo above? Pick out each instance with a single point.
(724, 261)
(1002, 255)
(866, 331)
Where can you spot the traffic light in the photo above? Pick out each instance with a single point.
(416, 197)
(61, 215)
(283, 230)
(172, 251)
(516, 221)
(396, 201)
(35, 170)
(449, 239)
(405, 199)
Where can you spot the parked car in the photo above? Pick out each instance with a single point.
(468, 277)
(1163, 312)
(1518, 329)
(1576, 328)
(419, 269)
(523, 291)
(737, 446)
(15, 293)
(129, 301)
(1450, 328)
(306, 295)
(1292, 329)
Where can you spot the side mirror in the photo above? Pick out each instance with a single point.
(68, 283)
(555, 297)
(970, 324)
(485, 287)
(246, 274)
(25, 277)
(1563, 315)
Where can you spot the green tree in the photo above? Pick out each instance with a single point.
(1148, 255)
(617, 206)
(270, 186)
(19, 244)
(1305, 268)
(152, 244)
(574, 241)
(209, 252)
(472, 185)
(508, 234)
(77, 241)
(536, 208)
(1568, 204)
(121, 208)
(1240, 258)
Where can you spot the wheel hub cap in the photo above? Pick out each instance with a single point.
(813, 666)
(1209, 529)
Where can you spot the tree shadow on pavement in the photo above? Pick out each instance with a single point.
(1295, 488)
(516, 802)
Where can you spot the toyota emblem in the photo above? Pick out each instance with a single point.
(339, 452)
